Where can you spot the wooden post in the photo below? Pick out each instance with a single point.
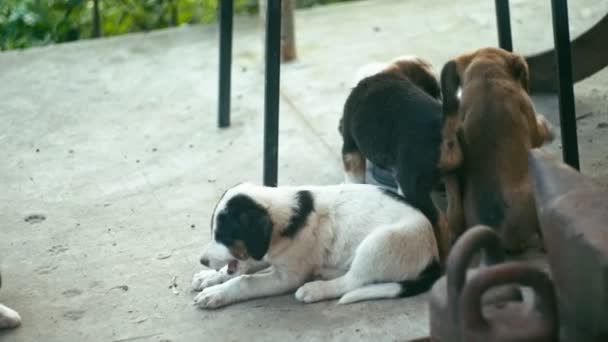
(288, 42)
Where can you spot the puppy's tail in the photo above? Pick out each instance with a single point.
(405, 288)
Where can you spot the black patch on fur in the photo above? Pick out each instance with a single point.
(243, 219)
(423, 283)
(304, 207)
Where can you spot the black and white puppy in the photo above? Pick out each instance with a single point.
(393, 118)
(363, 242)
(9, 318)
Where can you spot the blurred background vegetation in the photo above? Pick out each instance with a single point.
(26, 23)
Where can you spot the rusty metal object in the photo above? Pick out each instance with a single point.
(511, 321)
(573, 213)
(589, 55)
(444, 301)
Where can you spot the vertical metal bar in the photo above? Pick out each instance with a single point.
(503, 24)
(271, 95)
(226, 7)
(567, 114)
(96, 20)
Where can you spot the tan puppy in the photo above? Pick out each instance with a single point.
(486, 137)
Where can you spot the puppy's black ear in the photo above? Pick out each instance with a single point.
(450, 156)
(450, 82)
(256, 232)
(520, 71)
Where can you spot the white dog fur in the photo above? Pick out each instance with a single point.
(364, 242)
(9, 318)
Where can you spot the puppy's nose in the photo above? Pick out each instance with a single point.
(205, 261)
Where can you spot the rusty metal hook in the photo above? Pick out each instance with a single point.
(468, 245)
(473, 320)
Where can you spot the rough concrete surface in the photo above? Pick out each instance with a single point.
(112, 162)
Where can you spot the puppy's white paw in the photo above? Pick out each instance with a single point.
(9, 318)
(208, 278)
(211, 298)
(311, 292)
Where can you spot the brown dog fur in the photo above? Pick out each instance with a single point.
(486, 137)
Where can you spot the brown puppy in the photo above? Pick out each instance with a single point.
(393, 119)
(486, 137)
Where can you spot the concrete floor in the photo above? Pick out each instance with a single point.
(114, 143)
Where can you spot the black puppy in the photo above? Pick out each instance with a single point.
(394, 119)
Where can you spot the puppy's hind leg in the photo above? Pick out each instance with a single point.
(353, 161)
(395, 262)
(455, 211)
(386, 257)
(416, 187)
(361, 272)
(9, 318)
(319, 290)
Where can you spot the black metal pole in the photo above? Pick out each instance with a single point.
(96, 20)
(271, 91)
(503, 23)
(567, 113)
(226, 7)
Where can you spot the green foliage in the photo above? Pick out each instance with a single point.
(25, 23)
